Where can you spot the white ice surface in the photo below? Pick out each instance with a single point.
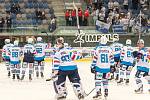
(39, 89)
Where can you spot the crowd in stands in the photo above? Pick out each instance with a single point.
(132, 14)
(24, 13)
(5, 22)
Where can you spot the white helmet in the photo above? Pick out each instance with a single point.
(39, 39)
(66, 45)
(128, 42)
(30, 40)
(7, 41)
(141, 41)
(103, 40)
(16, 42)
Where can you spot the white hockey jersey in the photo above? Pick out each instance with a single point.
(126, 55)
(103, 56)
(143, 64)
(5, 51)
(64, 59)
(40, 49)
(15, 54)
(117, 48)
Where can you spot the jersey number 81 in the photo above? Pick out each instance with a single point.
(104, 58)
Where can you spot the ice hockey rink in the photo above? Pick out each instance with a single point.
(39, 89)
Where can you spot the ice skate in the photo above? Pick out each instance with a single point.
(139, 90)
(117, 77)
(42, 75)
(9, 74)
(80, 96)
(127, 81)
(149, 91)
(62, 97)
(22, 78)
(97, 96)
(120, 81)
(18, 77)
(13, 77)
(106, 94)
(111, 78)
(37, 74)
(30, 77)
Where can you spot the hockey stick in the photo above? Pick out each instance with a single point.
(52, 78)
(90, 92)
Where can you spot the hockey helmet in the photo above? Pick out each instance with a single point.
(7, 41)
(128, 42)
(39, 39)
(103, 40)
(16, 42)
(30, 40)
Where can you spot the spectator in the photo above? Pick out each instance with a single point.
(2, 22)
(86, 16)
(109, 20)
(8, 23)
(51, 10)
(43, 15)
(67, 17)
(12, 9)
(124, 21)
(80, 16)
(101, 16)
(115, 20)
(110, 5)
(125, 4)
(131, 24)
(135, 4)
(116, 6)
(17, 8)
(74, 19)
(52, 26)
(38, 15)
(70, 19)
(94, 15)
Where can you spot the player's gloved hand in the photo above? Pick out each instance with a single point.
(139, 55)
(134, 54)
(93, 69)
(3, 59)
(55, 72)
(130, 68)
(112, 68)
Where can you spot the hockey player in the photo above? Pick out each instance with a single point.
(117, 48)
(64, 66)
(126, 62)
(101, 67)
(5, 54)
(15, 54)
(39, 57)
(143, 67)
(28, 59)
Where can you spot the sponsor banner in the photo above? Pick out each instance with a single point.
(120, 29)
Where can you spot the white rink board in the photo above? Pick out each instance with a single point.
(39, 89)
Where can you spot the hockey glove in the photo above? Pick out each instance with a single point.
(112, 69)
(93, 70)
(135, 53)
(139, 55)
